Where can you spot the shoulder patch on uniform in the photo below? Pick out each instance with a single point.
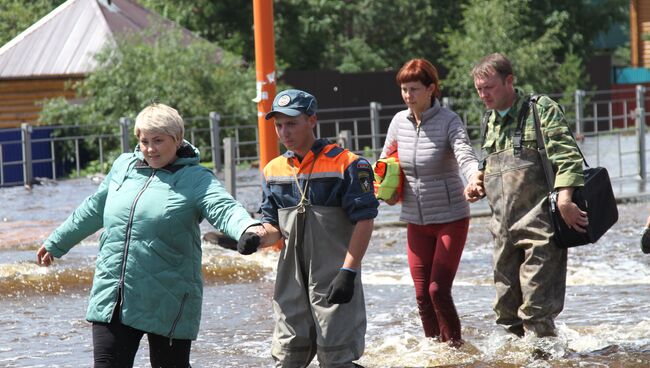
(334, 152)
(365, 181)
(363, 164)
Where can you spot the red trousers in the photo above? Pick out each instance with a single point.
(434, 253)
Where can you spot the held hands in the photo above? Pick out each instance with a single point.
(572, 215)
(475, 189)
(248, 243)
(43, 257)
(251, 240)
(341, 289)
(393, 200)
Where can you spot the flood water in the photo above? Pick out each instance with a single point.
(605, 323)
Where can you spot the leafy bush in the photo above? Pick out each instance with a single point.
(161, 65)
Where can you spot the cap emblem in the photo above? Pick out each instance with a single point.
(284, 100)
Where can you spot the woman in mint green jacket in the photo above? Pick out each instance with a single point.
(148, 271)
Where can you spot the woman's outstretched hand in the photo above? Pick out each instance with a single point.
(43, 257)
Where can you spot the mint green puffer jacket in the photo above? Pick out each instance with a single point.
(150, 249)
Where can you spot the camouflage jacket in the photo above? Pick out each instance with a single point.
(560, 146)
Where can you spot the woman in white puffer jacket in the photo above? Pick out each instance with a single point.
(433, 147)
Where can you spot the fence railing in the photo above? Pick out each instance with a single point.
(606, 122)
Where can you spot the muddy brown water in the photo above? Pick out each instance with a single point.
(606, 321)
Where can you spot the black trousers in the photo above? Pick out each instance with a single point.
(115, 346)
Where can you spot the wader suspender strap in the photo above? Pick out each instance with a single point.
(303, 191)
(521, 122)
(484, 122)
(300, 231)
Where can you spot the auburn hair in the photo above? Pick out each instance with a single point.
(420, 70)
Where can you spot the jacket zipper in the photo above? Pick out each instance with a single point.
(127, 241)
(415, 171)
(178, 317)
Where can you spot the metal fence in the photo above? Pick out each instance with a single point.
(609, 124)
(70, 144)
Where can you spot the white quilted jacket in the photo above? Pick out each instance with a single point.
(430, 156)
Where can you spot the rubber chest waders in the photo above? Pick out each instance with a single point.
(529, 270)
(316, 244)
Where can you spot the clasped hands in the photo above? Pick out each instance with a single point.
(572, 215)
(252, 239)
(475, 189)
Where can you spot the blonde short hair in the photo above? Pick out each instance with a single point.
(162, 119)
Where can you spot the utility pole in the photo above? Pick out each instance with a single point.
(265, 73)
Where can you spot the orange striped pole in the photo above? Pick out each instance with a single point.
(265, 73)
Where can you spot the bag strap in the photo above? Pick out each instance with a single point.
(541, 147)
(550, 174)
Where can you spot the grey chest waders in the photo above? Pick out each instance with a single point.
(316, 243)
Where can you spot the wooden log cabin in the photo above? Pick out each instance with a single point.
(21, 98)
(42, 61)
(640, 33)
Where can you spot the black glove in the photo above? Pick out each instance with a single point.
(342, 287)
(248, 243)
(645, 241)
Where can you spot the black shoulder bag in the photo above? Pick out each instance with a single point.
(596, 197)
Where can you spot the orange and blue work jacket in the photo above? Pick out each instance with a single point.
(339, 178)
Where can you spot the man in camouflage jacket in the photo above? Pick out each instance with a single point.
(529, 269)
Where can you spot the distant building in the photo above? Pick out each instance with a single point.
(638, 71)
(640, 33)
(60, 49)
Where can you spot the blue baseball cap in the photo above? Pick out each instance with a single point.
(293, 102)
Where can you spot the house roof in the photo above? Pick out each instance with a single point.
(65, 41)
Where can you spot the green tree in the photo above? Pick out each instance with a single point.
(227, 23)
(586, 20)
(18, 15)
(505, 26)
(543, 39)
(194, 76)
(340, 35)
(362, 35)
(368, 35)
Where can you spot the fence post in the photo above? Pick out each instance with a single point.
(580, 108)
(215, 140)
(125, 133)
(345, 139)
(375, 108)
(446, 102)
(26, 140)
(2, 165)
(640, 128)
(230, 168)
